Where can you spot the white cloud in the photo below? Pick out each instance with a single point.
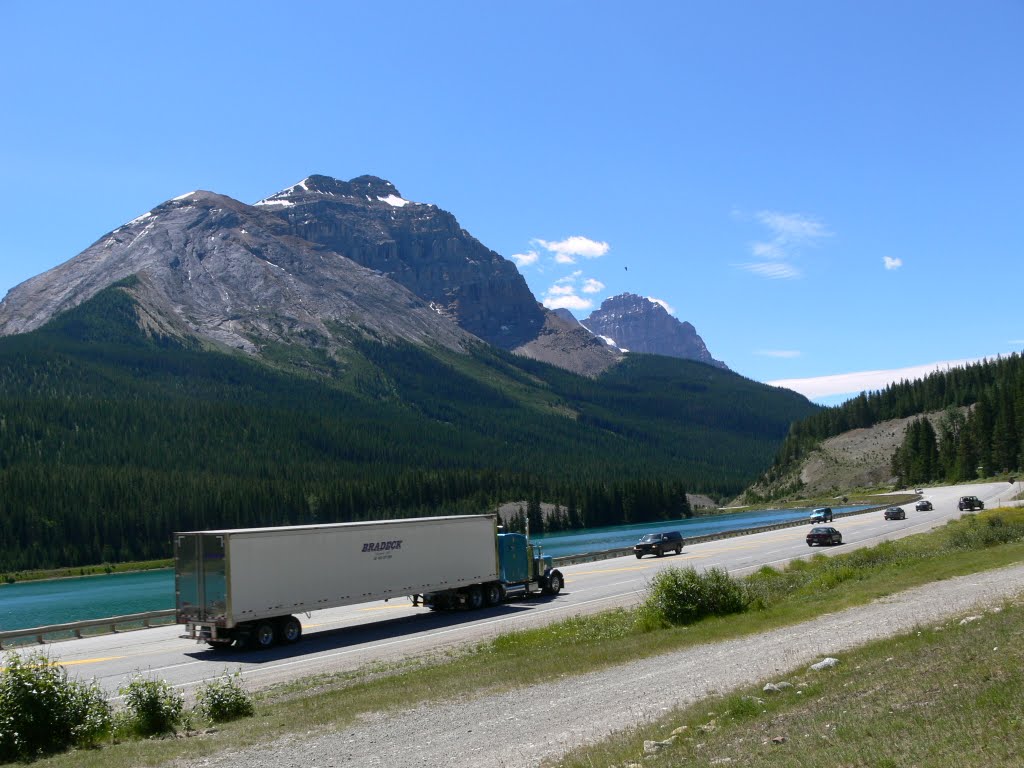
(784, 353)
(561, 290)
(775, 270)
(525, 259)
(568, 250)
(891, 263)
(817, 387)
(567, 301)
(665, 305)
(590, 285)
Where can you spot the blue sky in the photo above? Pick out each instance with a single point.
(822, 189)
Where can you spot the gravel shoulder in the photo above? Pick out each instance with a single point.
(522, 728)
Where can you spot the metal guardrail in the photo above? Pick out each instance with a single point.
(76, 627)
(145, 619)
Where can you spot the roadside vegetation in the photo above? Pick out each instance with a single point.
(683, 609)
(941, 696)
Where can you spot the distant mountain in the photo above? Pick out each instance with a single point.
(305, 267)
(636, 324)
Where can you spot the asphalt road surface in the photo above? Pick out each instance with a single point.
(345, 638)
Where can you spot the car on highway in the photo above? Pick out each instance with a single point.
(970, 502)
(824, 534)
(924, 506)
(895, 513)
(821, 515)
(658, 544)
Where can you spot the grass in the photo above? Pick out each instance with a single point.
(941, 696)
(805, 590)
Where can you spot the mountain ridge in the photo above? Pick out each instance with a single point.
(299, 264)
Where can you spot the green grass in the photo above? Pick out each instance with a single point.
(801, 592)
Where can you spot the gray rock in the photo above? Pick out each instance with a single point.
(827, 663)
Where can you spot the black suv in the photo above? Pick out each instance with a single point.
(970, 502)
(658, 544)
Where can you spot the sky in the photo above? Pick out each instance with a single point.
(831, 193)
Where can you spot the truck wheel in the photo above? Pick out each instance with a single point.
(494, 594)
(290, 630)
(474, 598)
(678, 550)
(554, 585)
(264, 636)
(638, 555)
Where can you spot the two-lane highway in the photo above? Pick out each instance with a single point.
(346, 638)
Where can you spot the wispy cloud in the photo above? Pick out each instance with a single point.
(590, 285)
(783, 353)
(817, 387)
(568, 250)
(891, 263)
(775, 270)
(789, 234)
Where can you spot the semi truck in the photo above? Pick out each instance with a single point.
(244, 586)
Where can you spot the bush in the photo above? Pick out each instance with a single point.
(42, 711)
(683, 596)
(224, 699)
(973, 532)
(154, 707)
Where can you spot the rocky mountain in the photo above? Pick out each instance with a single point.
(637, 324)
(306, 266)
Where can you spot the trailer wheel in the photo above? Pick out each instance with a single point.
(474, 598)
(264, 636)
(494, 594)
(290, 630)
(554, 585)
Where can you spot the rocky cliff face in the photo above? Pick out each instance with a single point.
(233, 274)
(636, 324)
(320, 257)
(418, 246)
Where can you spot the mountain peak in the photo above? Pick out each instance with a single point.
(365, 188)
(639, 324)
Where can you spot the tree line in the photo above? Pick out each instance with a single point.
(111, 440)
(979, 431)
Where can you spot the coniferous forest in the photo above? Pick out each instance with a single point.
(112, 439)
(980, 431)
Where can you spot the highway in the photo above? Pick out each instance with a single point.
(344, 639)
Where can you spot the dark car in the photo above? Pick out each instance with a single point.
(895, 513)
(824, 534)
(658, 544)
(924, 506)
(822, 515)
(970, 502)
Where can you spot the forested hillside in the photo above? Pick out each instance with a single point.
(981, 432)
(111, 439)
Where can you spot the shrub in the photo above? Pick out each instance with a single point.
(42, 711)
(224, 699)
(683, 596)
(154, 707)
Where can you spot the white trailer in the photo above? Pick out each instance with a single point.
(244, 586)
